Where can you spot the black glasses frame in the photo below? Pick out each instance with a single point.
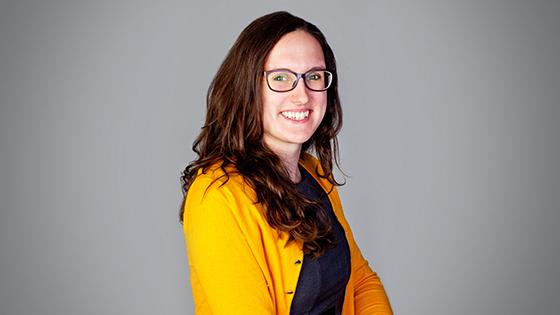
(298, 76)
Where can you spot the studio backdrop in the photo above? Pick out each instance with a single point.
(450, 143)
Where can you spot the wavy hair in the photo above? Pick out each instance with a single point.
(232, 134)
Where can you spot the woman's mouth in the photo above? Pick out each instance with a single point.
(296, 116)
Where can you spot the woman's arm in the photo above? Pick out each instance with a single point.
(368, 292)
(225, 276)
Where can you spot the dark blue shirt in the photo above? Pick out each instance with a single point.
(322, 282)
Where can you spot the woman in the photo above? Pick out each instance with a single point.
(263, 222)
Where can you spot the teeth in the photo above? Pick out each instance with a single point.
(296, 115)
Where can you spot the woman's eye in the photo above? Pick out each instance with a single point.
(280, 77)
(314, 76)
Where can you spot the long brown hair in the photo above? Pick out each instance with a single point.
(232, 134)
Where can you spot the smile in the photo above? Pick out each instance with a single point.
(296, 115)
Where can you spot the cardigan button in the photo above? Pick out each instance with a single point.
(297, 262)
(290, 292)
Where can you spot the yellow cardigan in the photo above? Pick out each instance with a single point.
(240, 265)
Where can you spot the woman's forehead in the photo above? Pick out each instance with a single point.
(298, 51)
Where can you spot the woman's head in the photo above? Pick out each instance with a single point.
(294, 96)
(238, 96)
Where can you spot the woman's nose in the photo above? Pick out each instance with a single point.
(299, 95)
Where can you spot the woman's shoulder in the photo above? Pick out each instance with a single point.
(220, 192)
(217, 178)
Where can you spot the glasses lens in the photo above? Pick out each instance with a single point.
(281, 80)
(318, 80)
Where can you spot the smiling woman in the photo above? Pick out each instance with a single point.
(263, 222)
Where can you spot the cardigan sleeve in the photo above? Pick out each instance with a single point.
(369, 293)
(225, 276)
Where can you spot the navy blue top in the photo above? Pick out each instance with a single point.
(322, 282)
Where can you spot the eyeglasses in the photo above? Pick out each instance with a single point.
(284, 80)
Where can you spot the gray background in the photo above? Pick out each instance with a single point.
(451, 139)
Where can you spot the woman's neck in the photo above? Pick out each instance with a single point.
(291, 165)
(289, 156)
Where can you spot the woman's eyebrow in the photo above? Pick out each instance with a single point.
(288, 69)
(317, 68)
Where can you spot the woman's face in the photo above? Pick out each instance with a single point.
(291, 118)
